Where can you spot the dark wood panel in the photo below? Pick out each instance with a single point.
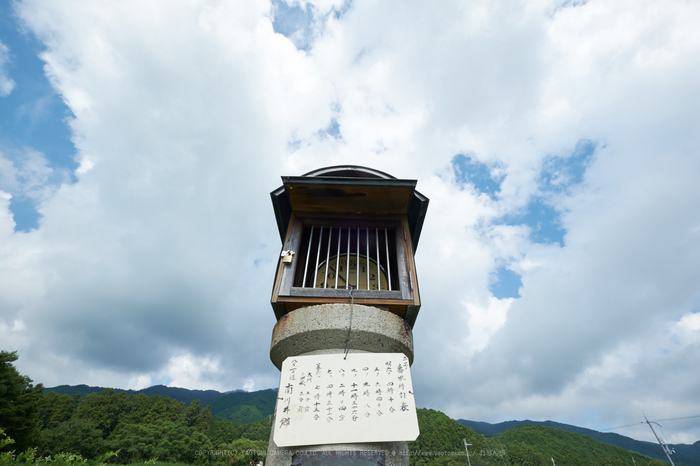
(323, 196)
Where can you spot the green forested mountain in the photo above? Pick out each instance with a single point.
(144, 428)
(245, 407)
(237, 406)
(685, 454)
(524, 445)
(567, 448)
(441, 442)
(205, 397)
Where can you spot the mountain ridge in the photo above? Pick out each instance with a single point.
(236, 406)
(685, 453)
(185, 395)
(243, 407)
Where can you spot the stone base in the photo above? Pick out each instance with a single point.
(313, 329)
(323, 329)
(394, 453)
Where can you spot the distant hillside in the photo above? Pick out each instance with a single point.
(237, 406)
(437, 430)
(523, 445)
(537, 445)
(245, 407)
(685, 454)
(81, 390)
(439, 434)
(205, 397)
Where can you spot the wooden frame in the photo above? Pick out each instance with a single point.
(348, 196)
(404, 301)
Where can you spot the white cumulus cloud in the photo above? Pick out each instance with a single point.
(6, 83)
(156, 263)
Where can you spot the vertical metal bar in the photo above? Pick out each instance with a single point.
(367, 248)
(328, 257)
(318, 254)
(337, 256)
(388, 262)
(308, 253)
(347, 266)
(357, 254)
(379, 276)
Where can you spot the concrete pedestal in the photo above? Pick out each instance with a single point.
(323, 329)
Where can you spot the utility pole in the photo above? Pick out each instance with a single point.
(663, 445)
(466, 447)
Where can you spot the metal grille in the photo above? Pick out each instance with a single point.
(340, 257)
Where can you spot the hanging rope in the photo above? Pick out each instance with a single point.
(347, 341)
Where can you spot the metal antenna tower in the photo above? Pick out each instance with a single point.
(663, 445)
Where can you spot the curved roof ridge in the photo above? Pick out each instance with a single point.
(349, 171)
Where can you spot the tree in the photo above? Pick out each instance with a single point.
(142, 409)
(104, 409)
(165, 441)
(522, 454)
(19, 403)
(442, 437)
(257, 430)
(77, 436)
(198, 417)
(55, 409)
(246, 452)
(29, 456)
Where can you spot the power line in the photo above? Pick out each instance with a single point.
(620, 427)
(657, 420)
(677, 418)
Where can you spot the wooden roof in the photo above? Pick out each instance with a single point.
(352, 190)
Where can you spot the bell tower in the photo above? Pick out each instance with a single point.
(346, 299)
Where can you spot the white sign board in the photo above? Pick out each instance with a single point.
(327, 398)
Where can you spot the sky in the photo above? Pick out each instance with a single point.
(557, 141)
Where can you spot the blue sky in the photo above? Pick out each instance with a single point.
(557, 143)
(559, 175)
(33, 116)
